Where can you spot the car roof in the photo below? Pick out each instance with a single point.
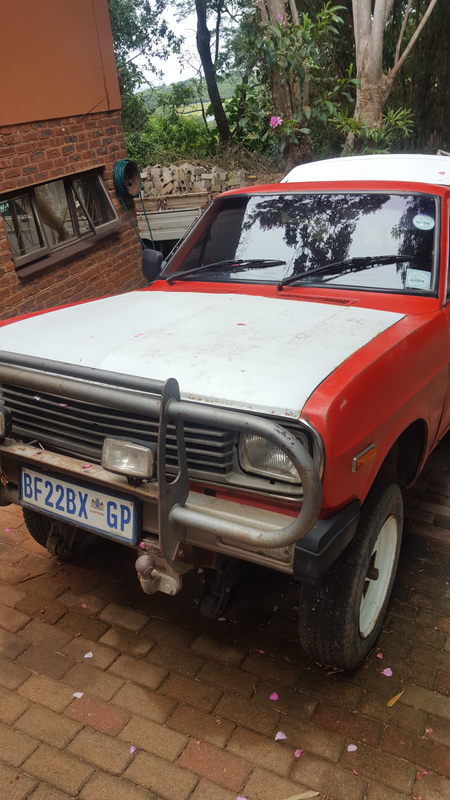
(411, 168)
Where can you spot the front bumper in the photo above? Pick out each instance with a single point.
(171, 512)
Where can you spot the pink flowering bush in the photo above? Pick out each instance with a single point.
(275, 121)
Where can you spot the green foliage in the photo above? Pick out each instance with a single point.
(365, 138)
(164, 137)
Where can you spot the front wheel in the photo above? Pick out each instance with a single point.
(340, 619)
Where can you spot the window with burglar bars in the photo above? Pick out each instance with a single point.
(42, 219)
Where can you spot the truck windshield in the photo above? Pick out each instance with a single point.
(371, 241)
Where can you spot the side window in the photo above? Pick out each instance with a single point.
(42, 219)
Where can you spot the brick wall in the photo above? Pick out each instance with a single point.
(38, 152)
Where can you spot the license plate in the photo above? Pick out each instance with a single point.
(110, 514)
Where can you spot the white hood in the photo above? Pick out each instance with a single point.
(255, 353)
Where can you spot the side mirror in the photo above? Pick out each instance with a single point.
(151, 264)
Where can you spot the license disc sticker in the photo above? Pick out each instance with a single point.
(418, 279)
(423, 222)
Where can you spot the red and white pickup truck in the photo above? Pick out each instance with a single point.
(264, 400)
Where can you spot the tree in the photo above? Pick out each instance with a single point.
(370, 20)
(209, 68)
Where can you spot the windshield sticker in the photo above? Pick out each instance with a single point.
(423, 222)
(417, 279)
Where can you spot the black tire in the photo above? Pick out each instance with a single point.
(38, 525)
(85, 543)
(340, 619)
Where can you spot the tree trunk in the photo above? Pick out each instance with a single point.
(204, 51)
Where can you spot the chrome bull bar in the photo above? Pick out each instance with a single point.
(161, 400)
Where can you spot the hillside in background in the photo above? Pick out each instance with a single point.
(226, 88)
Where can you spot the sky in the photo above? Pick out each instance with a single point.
(172, 71)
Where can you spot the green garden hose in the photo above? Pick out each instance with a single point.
(128, 185)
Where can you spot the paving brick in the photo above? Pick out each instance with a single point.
(154, 738)
(255, 639)
(275, 756)
(45, 635)
(102, 656)
(11, 707)
(104, 717)
(327, 689)
(161, 777)
(381, 767)
(12, 620)
(205, 790)
(46, 792)
(392, 645)
(11, 644)
(127, 642)
(191, 691)
(412, 719)
(431, 702)
(46, 692)
(85, 603)
(45, 662)
(14, 785)
(11, 674)
(417, 632)
(325, 777)
(223, 768)
(82, 625)
(226, 677)
(200, 725)
(139, 672)
(124, 617)
(314, 740)
(221, 651)
(9, 595)
(58, 769)
(38, 607)
(101, 750)
(13, 575)
(15, 746)
(47, 726)
(138, 700)
(432, 787)
(438, 730)
(163, 631)
(378, 792)
(175, 660)
(84, 678)
(296, 704)
(424, 752)
(106, 787)
(349, 724)
(270, 669)
(264, 785)
(248, 714)
(443, 683)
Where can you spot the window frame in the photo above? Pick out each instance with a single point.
(48, 254)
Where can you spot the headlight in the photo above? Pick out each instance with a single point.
(129, 458)
(261, 457)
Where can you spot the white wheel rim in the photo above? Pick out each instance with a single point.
(375, 590)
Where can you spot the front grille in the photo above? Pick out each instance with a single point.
(77, 429)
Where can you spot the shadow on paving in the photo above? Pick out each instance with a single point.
(176, 706)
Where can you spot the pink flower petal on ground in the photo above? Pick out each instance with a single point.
(429, 730)
(298, 753)
(387, 672)
(273, 696)
(142, 545)
(262, 652)
(86, 466)
(436, 629)
(295, 608)
(64, 405)
(241, 797)
(78, 695)
(138, 334)
(242, 323)
(83, 605)
(7, 529)
(280, 735)
(199, 570)
(379, 655)
(222, 619)
(132, 749)
(354, 771)
(351, 748)
(89, 655)
(275, 608)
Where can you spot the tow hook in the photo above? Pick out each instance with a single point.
(60, 539)
(153, 580)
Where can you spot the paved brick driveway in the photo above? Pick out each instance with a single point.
(176, 706)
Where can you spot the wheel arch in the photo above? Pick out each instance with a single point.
(405, 458)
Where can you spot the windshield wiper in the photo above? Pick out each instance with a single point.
(354, 264)
(230, 262)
